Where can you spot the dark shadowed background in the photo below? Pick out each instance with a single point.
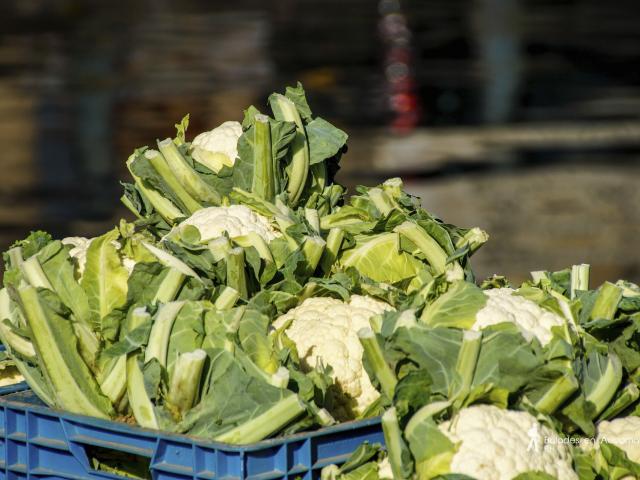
(519, 116)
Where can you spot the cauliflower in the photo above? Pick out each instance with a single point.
(384, 469)
(79, 252)
(235, 220)
(531, 319)
(325, 330)
(498, 444)
(623, 433)
(218, 147)
(9, 374)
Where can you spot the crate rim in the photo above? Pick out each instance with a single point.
(13, 388)
(7, 402)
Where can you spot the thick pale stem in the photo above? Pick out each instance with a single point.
(265, 424)
(319, 172)
(407, 319)
(330, 472)
(165, 207)
(169, 287)
(606, 304)
(393, 440)
(161, 331)
(73, 385)
(579, 278)
(424, 414)
(312, 250)
(15, 257)
(186, 379)
(219, 248)
(334, 242)
(160, 164)
(138, 317)
(186, 175)
(285, 222)
(263, 175)
(114, 384)
(169, 260)
(88, 343)
(16, 343)
(312, 217)
(227, 299)
(236, 274)
(307, 292)
(431, 249)
(33, 273)
(627, 397)
(538, 276)
(607, 385)
(475, 238)
(381, 201)
(467, 360)
(285, 109)
(139, 400)
(253, 239)
(280, 379)
(375, 323)
(559, 391)
(393, 187)
(324, 417)
(374, 355)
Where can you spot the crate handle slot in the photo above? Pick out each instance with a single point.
(122, 464)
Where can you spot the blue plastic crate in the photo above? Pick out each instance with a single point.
(12, 388)
(38, 442)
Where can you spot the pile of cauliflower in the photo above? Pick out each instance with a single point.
(488, 440)
(492, 443)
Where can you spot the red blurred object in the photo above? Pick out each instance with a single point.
(403, 100)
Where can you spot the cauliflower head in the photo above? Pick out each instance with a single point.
(9, 374)
(384, 469)
(325, 331)
(218, 147)
(79, 251)
(497, 444)
(235, 220)
(531, 319)
(623, 433)
(80, 245)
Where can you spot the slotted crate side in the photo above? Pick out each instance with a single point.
(37, 440)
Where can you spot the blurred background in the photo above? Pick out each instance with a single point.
(518, 116)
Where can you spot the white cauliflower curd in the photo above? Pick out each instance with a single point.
(384, 469)
(218, 147)
(497, 444)
(325, 331)
(623, 433)
(531, 319)
(9, 374)
(235, 220)
(79, 252)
